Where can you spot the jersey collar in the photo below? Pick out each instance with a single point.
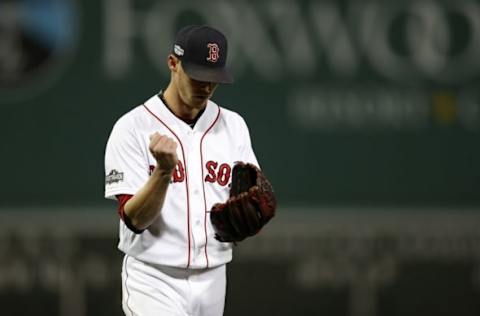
(205, 121)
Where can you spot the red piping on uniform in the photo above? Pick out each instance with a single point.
(203, 183)
(186, 179)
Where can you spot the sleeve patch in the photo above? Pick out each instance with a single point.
(114, 177)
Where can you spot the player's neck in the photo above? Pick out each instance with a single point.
(178, 107)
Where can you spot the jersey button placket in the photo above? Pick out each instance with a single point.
(197, 202)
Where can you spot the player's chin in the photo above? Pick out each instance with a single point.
(199, 100)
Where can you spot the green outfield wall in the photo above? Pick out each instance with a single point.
(348, 102)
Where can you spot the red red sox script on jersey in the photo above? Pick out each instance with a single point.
(216, 172)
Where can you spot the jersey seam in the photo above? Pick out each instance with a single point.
(112, 193)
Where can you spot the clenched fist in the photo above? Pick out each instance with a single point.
(164, 150)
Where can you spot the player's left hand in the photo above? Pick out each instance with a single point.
(251, 205)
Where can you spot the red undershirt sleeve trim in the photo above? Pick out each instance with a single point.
(122, 200)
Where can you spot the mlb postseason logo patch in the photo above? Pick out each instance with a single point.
(178, 50)
(113, 177)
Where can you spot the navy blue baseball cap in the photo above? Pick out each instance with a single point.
(203, 52)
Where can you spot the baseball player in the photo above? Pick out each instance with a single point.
(170, 162)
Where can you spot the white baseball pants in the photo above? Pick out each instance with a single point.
(154, 290)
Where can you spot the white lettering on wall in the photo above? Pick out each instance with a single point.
(277, 40)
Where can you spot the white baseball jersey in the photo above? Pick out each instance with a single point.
(182, 235)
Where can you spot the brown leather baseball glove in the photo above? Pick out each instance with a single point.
(251, 205)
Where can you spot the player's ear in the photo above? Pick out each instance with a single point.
(172, 62)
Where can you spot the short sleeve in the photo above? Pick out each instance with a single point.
(126, 161)
(247, 152)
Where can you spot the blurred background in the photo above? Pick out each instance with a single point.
(365, 115)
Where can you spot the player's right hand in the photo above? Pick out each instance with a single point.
(164, 150)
